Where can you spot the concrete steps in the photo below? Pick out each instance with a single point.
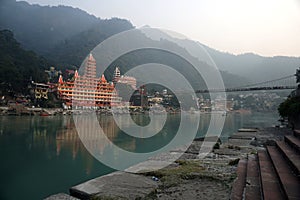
(290, 155)
(274, 173)
(252, 189)
(270, 185)
(297, 133)
(237, 192)
(293, 142)
(289, 182)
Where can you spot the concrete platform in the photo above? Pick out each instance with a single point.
(60, 196)
(115, 185)
(150, 165)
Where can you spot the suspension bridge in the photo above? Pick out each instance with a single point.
(283, 83)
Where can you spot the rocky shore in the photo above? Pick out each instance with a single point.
(190, 177)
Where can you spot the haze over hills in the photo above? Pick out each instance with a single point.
(254, 67)
(250, 66)
(41, 28)
(65, 35)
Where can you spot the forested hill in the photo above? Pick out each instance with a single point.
(18, 66)
(43, 28)
(73, 50)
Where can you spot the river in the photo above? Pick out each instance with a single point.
(41, 156)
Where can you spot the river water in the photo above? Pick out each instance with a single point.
(41, 156)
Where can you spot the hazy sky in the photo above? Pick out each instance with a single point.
(265, 27)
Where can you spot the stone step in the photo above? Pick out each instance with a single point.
(297, 133)
(290, 155)
(293, 142)
(115, 185)
(270, 185)
(252, 190)
(289, 182)
(240, 182)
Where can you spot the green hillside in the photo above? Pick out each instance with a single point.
(18, 66)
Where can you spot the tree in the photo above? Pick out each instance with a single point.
(290, 107)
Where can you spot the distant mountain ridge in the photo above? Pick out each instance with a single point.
(248, 66)
(255, 67)
(65, 35)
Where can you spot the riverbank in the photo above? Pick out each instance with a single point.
(190, 177)
(20, 110)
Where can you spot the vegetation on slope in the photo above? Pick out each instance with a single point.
(18, 66)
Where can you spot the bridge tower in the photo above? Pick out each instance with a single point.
(296, 93)
(298, 75)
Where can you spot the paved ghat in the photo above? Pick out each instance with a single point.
(250, 164)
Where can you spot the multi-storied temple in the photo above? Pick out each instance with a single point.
(88, 90)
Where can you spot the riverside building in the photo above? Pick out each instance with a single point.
(123, 79)
(88, 91)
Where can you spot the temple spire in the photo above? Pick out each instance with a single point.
(91, 57)
(103, 79)
(60, 80)
(76, 74)
(117, 75)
